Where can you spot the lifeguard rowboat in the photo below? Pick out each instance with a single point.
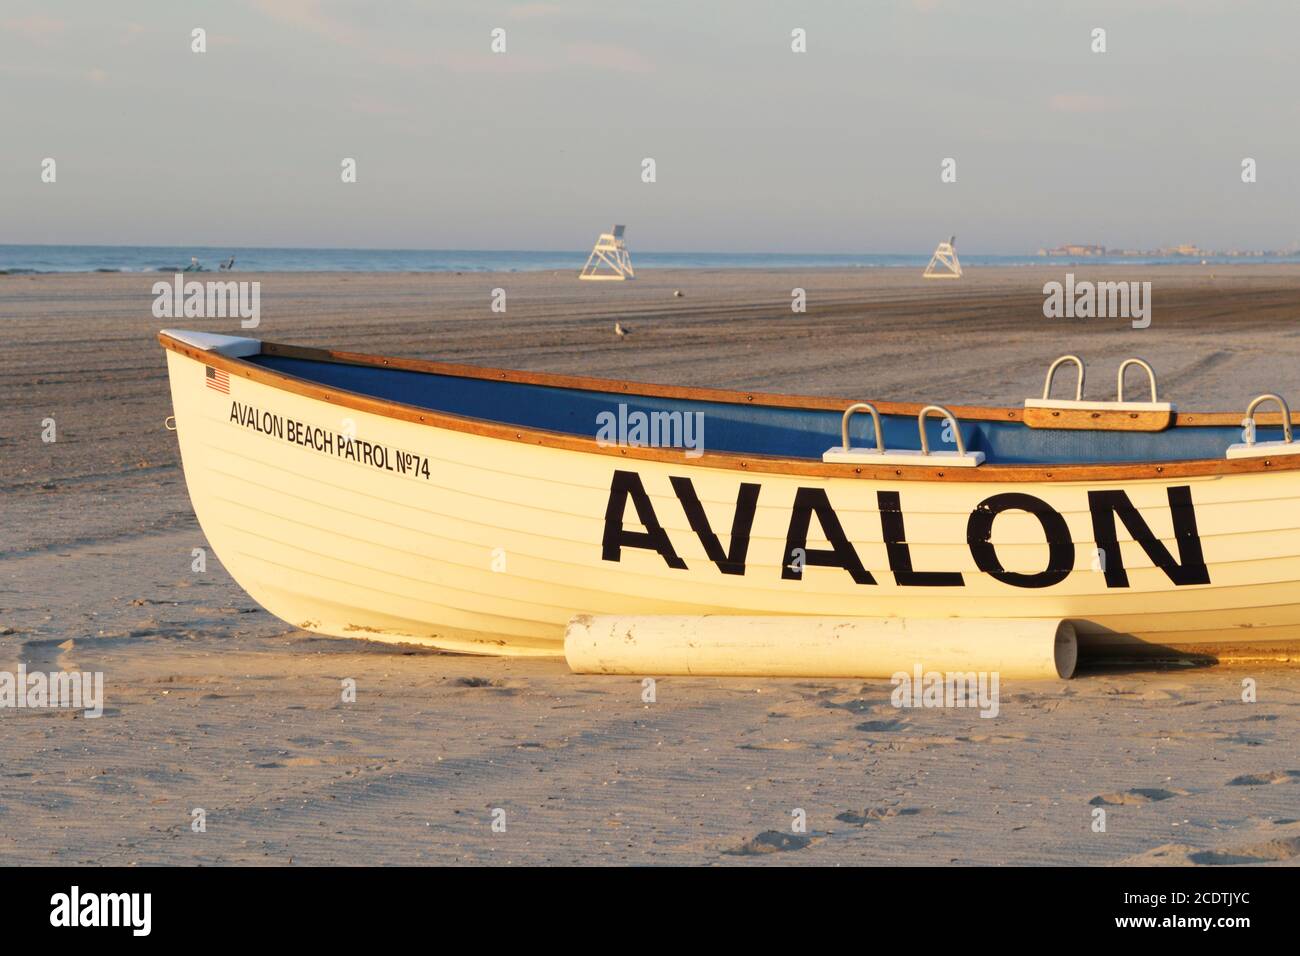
(479, 510)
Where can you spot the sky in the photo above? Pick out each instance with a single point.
(756, 147)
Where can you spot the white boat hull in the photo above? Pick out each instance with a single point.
(486, 545)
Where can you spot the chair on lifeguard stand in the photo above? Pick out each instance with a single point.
(611, 252)
(945, 257)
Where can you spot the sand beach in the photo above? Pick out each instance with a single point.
(211, 703)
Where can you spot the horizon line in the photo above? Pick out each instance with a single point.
(1294, 249)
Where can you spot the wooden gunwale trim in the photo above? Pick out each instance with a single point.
(1078, 419)
(588, 383)
(763, 464)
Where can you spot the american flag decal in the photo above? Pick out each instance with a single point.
(219, 380)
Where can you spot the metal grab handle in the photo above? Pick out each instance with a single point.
(1123, 367)
(1286, 416)
(169, 423)
(951, 419)
(1051, 373)
(875, 419)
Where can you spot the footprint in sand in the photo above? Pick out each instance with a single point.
(303, 762)
(501, 685)
(1218, 736)
(874, 814)
(881, 726)
(1269, 851)
(1135, 797)
(1262, 779)
(771, 841)
(856, 705)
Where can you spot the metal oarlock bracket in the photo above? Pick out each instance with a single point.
(950, 418)
(875, 419)
(1078, 413)
(844, 453)
(1265, 449)
(1123, 367)
(1051, 374)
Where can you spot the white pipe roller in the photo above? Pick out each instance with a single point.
(775, 646)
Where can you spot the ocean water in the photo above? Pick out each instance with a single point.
(20, 260)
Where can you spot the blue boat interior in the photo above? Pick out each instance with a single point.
(753, 429)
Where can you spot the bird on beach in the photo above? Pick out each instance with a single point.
(621, 332)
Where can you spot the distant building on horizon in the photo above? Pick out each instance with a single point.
(1188, 250)
(1074, 250)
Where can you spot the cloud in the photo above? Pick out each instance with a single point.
(608, 56)
(311, 16)
(534, 11)
(36, 27)
(375, 106)
(308, 15)
(487, 62)
(1078, 103)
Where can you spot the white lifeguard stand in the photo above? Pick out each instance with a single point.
(611, 252)
(944, 263)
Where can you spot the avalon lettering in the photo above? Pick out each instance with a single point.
(1060, 549)
(900, 554)
(731, 561)
(1189, 569)
(841, 554)
(809, 503)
